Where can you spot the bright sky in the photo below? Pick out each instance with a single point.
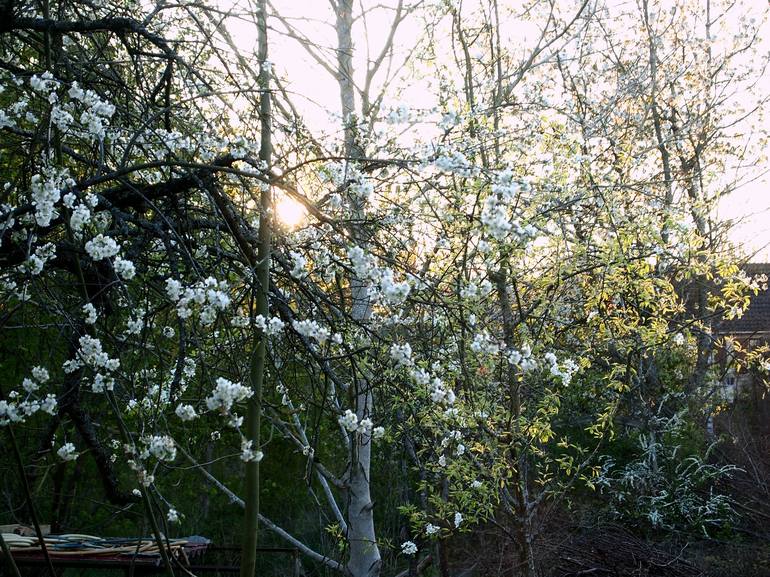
(317, 94)
(750, 208)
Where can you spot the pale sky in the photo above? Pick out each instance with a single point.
(316, 94)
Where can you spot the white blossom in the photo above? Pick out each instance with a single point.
(401, 354)
(173, 289)
(248, 453)
(161, 447)
(226, 394)
(298, 265)
(186, 412)
(67, 452)
(124, 268)
(349, 421)
(40, 374)
(101, 247)
(311, 329)
(89, 313)
(81, 216)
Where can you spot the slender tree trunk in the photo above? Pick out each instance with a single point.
(364, 558)
(257, 366)
(518, 459)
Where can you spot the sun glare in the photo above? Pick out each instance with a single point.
(290, 212)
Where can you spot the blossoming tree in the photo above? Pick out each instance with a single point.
(481, 283)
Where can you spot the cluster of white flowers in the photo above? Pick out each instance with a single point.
(173, 141)
(454, 437)
(248, 453)
(172, 516)
(188, 370)
(401, 354)
(67, 452)
(46, 192)
(385, 287)
(102, 383)
(97, 113)
(186, 412)
(473, 290)
(81, 216)
(431, 529)
(145, 478)
(6, 213)
(408, 548)
(208, 295)
(522, 358)
(241, 147)
(37, 260)
(89, 313)
(455, 162)
(507, 188)
(14, 411)
(6, 120)
(135, 324)
(362, 263)
(483, 343)
(14, 113)
(43, 83)
(161, 447)
(271, 327)
(124, 268)
(61, 118)
(311, 329)
(352, 424)
(497, 222)
(458, 519)
(469, 291)
(101, 247)
(281, 390)
(173, 289)
(393, 292)
(495, 218)
(226, 394)
(564, 372)
(349, 421)
(91, 354)
(440, 393)
(361, 189)
(298, 265)
(39, 376)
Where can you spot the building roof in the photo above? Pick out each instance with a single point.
(756, 319)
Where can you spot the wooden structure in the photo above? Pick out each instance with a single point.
(132, 556)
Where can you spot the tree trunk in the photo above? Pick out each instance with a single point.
(364, 558)
(257, 366)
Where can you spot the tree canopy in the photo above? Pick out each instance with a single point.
(379, 274)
